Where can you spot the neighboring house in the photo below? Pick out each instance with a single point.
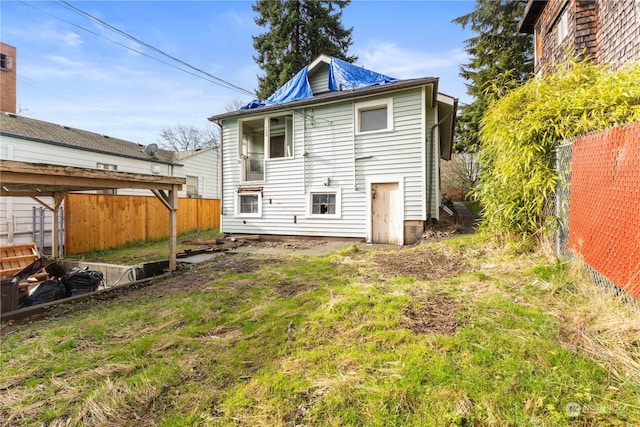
(7, 78)
(30, 140)
(607, 31)
(338, 151)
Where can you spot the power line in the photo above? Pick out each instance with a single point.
(211, 78)
(217, 80)
(128, 47)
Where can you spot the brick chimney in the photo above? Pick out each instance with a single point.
(7, 78)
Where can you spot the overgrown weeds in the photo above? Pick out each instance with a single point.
(264, 341)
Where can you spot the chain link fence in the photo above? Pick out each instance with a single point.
(561, 208)
(597, 207)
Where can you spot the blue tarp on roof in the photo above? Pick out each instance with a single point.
(346, 76)
(342, 76)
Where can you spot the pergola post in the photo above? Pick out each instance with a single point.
(171, 202)
(173, 227)
(58, 198)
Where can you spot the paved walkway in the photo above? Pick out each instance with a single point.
(467, 218)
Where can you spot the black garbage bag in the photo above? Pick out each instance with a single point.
(47, 291)
(80, 282)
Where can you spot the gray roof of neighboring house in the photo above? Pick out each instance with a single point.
(54, 134)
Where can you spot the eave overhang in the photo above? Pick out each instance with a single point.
(331, 97)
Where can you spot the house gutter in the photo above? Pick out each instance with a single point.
(431, 172)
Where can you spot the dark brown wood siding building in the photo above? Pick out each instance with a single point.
(603, 30)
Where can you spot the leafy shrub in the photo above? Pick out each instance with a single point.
(520, 131)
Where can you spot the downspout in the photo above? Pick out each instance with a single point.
(431, 172)
(219, 162)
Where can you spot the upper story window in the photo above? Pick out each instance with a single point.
(562, 27)
(537, 46)
(374, 116)
(251, 149)
(280, 136)
(6, 62)
(263, 138)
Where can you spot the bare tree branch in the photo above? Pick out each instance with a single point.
(234, 105)
(184, 138)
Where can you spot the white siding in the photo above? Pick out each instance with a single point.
(319, 79)
(325, 146)
(205, 165)
(16, 213)
(399, 152)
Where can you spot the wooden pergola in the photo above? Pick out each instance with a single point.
(38, 181)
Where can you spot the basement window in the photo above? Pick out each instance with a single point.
(324, 203)
(374, 116)
(249, 205)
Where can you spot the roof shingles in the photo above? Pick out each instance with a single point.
(51, 133)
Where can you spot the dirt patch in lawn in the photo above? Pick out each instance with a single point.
(421, 264)
(194, 277)
(438, 314)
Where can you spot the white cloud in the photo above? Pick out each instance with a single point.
(389, 58)
(239, 20)
(70, 38)
(47, 33)
(402, 63)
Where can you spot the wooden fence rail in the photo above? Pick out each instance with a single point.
(100, 221)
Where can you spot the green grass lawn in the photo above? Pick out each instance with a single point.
(343, 340)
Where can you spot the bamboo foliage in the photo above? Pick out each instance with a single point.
(520, 131)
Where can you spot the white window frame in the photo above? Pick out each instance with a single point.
(324, 190)
(197, 186)
(562, 27)
(238, 207)
(373, 105)
(243, 158)
(267, 137)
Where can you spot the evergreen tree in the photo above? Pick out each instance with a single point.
(297, 32)
(500, 60)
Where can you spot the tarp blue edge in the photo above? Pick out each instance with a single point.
(342, 76)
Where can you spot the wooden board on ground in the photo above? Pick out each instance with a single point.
(14, 258)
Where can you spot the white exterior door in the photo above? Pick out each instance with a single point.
(386, 213)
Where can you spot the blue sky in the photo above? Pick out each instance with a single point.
(72, 77)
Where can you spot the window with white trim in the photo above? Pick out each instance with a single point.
(249, 204)
(324, 203)
(280, 136)
(192, 186)
(251, 149)
(374, 116)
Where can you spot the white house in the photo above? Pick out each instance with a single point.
(338, 151)
(30, 140)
